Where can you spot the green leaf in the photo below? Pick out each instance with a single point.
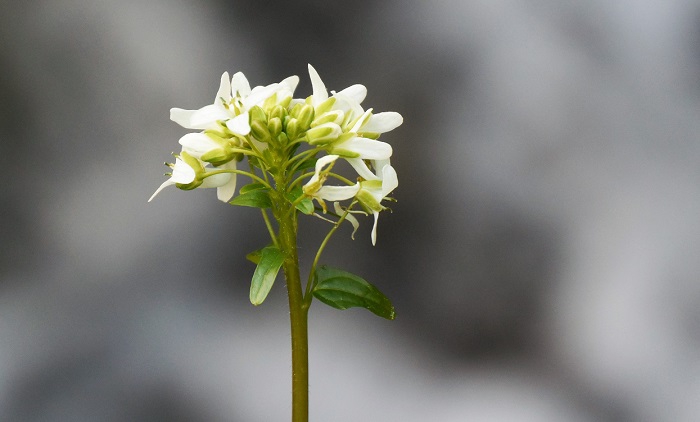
(307, 164)
(271, 260)
(342, 290)
(306, 205)
(257, 197)
(254, 256)
(251, 186)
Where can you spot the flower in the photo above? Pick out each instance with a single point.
(189, 173)
(370, 191)
(343, 127)
(231, 104)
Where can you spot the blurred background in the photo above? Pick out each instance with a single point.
(542, 255)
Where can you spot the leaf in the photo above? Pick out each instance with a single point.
(271, 260)
(253, 195)
(307, 164)
(342, 290)
(254, 256)
(305, 205)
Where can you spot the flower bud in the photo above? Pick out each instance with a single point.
(306, 116)
(323, 134)
(260, 131)
(335, 116)
(292, 127)
(278, 111)
(257, 113)
(274, 125)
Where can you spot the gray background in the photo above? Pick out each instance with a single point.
(542, 256)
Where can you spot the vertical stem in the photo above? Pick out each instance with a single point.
(297, 315)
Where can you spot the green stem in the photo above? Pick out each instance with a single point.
(297, 311)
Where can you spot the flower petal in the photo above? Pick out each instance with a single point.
(382, 122)
(226, 192)
(289, 84)
(337, 193)
(320, 94)
(239, 85)
(207, 116)
(355, 92)
(161, 187)
(224, 91)
(197, 144)
(390, 180)
(182, 117)
(349, 218)
(369, 149)
(182, 172)
(239, 124)
(374, 228)
(258, 95)
(361, 168)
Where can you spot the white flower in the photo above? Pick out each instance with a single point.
(341, 126)
(189, 173)
(231, 104)
(375, 188)
(370, 192)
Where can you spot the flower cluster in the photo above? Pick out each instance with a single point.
(281, 137)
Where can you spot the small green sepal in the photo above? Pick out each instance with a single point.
(306, 205)
(342, 290)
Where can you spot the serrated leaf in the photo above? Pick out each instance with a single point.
(271, 260)
(257, 198)
(305, 205)
(342, 290)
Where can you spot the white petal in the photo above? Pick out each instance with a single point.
(182, 172)
(349, 218)
(369, 149)
(239, 85)
(361, 121)
(382, 122)
(224, 89)
(239, 124)
(337, 193)
(226, 192)
(324, 161)
(374, 228)
(182, 117)
(320, 93)
(207, 116)
(356, 93)
(320, 164)
(361, 168)
(197, 144)
(258, 95)
(160, 188)
(289, 84)
(390, 180)
(347, 105)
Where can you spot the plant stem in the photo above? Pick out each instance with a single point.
(297, 314)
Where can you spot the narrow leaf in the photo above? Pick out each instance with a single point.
(271, 260)
(258, 198)
(251, 186)
(342, 290)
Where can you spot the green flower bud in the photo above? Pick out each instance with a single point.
(335, 116)
(257, 113)
(260, 131)
(292, 128)
(325, 106)
(275, 126)
(294, 112)
(278, 111)
(306, 116)
(323, 134)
